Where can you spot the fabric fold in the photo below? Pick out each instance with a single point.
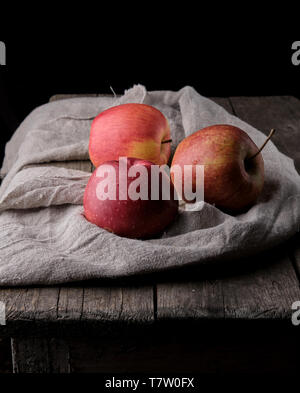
(45, 238)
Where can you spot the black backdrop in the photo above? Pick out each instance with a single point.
(38, 68)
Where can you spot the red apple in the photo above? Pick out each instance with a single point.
(120, 213)
(233, 178)
(130, 130)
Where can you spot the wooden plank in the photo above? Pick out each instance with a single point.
(40, 355)
(267, 292)
(5, 356)
(70, 304)
(224, 102)
(173, 348)
(281, 113)
(191, 299)
(57, 97)
(261, 292)
(51, 309)
(250, 289)
(106, 304)
(114, 303)
(191, 348)
(30, 304)
(30, 355)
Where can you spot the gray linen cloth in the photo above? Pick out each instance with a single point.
(45, 239)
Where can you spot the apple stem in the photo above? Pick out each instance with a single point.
(167, 141)
(115, 96)
(264, 144)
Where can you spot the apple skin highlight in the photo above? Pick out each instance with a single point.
(232, 181)
(130, 130)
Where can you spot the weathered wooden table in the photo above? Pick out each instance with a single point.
(234, 317)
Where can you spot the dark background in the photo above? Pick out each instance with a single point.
(232, 64)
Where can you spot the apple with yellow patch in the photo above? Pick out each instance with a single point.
(130, 130)
(233, 166)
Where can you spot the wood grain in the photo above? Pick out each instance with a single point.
(31, 308)
(5, 356)
(116, 303)
(279, 112)
(40, 355)
(70, 304)
(224, 102)
(30, 304)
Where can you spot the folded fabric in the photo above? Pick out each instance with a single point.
(45, 239)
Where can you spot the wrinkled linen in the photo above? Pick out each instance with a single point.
(45, 239)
